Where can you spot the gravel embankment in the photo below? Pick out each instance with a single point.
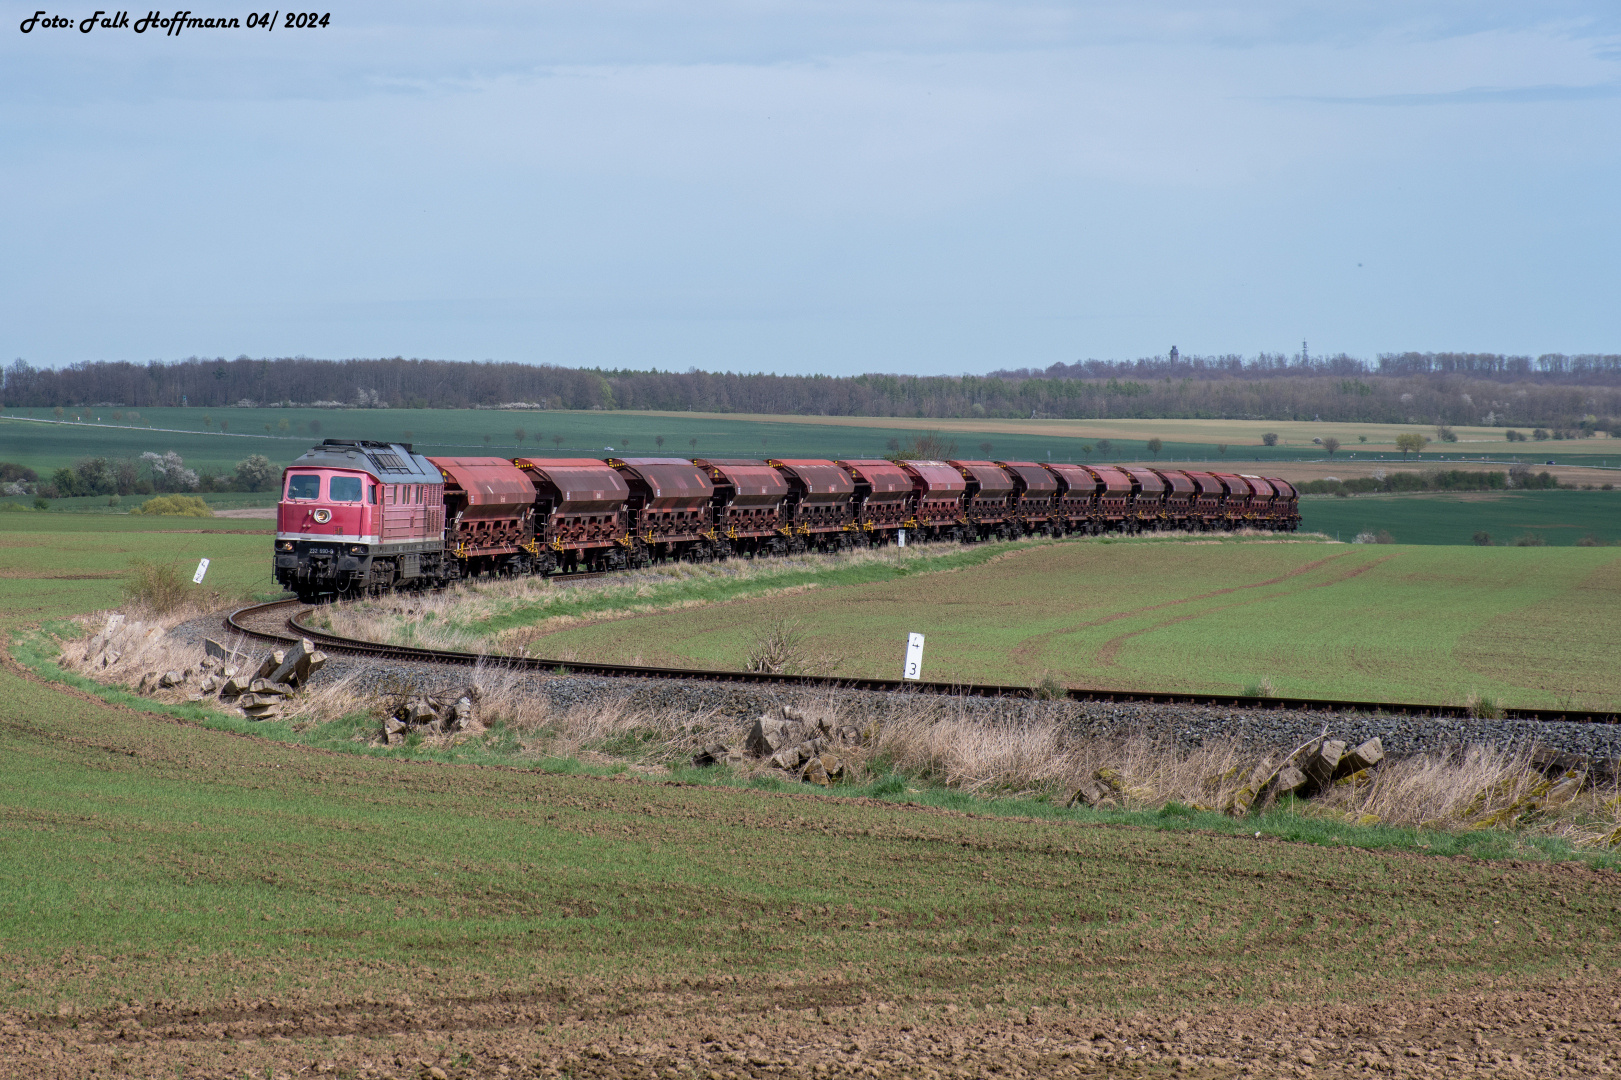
(1188, 725)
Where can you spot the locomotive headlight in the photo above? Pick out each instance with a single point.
(323, 515)
(284, 545)
(357, 549)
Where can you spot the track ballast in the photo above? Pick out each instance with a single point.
(284, 621)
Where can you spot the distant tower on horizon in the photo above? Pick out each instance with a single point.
(1304, 355)
(1174, 354)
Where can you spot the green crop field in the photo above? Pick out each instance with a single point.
(1526, 626)
(48, 446)
(179, 898)
(53, 565)
(179, 901)
(1557, 518)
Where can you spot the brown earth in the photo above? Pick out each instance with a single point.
(731, 1028)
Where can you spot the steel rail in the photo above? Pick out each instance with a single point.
(296, 628)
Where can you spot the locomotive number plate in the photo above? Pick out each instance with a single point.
(320, 551)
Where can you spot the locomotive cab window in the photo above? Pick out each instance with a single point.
(344, 489)
(303, 487)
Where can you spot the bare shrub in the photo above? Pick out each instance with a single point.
(928, 446)
(776, 647)
(155, 587)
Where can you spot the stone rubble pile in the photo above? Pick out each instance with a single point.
(117, 638)
(1320, 765)
(1316, 767)
(223, 673)
(785, 739)
(432, 714)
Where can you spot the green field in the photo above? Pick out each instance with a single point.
(1557, 518)
(179, 901)
(53, 565)
(178, 898)
(48, 446)
(1525, 626)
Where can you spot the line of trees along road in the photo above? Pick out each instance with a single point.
(1564, 393)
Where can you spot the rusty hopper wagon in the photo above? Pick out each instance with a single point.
(819, 509)
(748, 505)
(580, 514)
(937, 497)
(883, 493)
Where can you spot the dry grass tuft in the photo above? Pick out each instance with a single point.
(156, 588)
(163, 589)
(779, 648)
(1039, 756)
(1435, 787)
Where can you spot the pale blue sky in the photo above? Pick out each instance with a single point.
(797, 187)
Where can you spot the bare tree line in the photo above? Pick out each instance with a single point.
(1587, 369)
(1463, 389)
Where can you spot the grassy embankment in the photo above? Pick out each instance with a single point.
(929, 744)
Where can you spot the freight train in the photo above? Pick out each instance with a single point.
(359, 517)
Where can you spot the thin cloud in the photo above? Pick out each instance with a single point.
(1476, 95)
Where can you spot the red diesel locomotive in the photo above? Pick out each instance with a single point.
(360, 517)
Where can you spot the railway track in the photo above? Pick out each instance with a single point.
(286, 621)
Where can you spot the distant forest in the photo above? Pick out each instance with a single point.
(1553, 391)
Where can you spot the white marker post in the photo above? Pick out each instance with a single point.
(900, 537)
(202, 568)
(914, 657)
